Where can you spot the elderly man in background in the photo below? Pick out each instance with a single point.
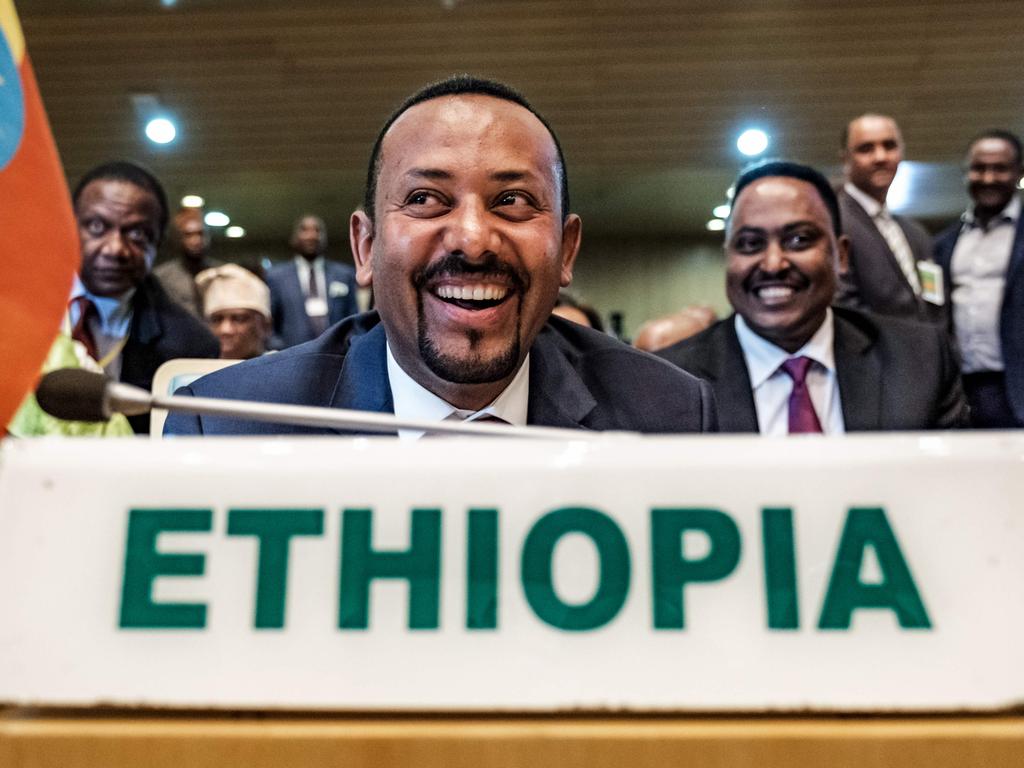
(117, 310)
(178, 276)
(237, 308)
(787, 361)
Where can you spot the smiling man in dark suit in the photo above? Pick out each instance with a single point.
(466, 236)
(787, 362)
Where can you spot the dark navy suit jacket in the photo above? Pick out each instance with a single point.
(288, 302)
(893, 374)
(1011, 316)
(579, 378)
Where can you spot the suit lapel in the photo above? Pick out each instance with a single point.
(1017, 253)
(732, 384)
(867, 224)
(558, 396)
(859, 374)
(363, 383)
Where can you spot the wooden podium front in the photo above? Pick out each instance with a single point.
(115, 740)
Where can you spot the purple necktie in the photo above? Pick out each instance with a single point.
(802, 417)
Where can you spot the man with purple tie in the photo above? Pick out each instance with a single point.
(787, 361)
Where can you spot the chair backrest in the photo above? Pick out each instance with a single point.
(178, 373)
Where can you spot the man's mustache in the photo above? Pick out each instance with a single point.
(456, 265)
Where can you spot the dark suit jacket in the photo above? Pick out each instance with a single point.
(874, 281)
(893, 374)
(579, 378)
(160, 330)
(288, 302)
(1011, 316)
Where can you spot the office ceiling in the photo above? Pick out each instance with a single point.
(279, 103)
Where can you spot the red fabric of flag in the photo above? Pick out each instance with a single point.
(38, 239)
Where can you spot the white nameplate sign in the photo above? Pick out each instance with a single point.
(647, 574)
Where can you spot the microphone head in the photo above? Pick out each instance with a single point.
(74, 394)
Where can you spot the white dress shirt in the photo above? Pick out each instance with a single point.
(978, 270)
(110, 330)
(314, 269)
(772, 386)
(414, 402)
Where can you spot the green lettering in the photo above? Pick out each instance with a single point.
(143, 564)
(672, 571)
(780, 568)
(274, 528)
(868, 527)
(613, 577)
(482, 569)
(420, 565)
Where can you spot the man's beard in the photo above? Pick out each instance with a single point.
(471, 369)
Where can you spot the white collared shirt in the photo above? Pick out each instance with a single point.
(314, 269)
(871, 206)
(978, 268)
(111, 329)
(414, 402)
(772, 386)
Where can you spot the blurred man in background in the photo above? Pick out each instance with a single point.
(178, 276)
(982, 257)
(890, 271)
(309, 293)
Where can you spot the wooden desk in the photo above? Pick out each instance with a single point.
(34, 739)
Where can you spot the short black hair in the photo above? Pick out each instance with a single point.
(457, 85)
(844, 137)
(999, 133)
(133, 173)
(791, 170)
(566, 299)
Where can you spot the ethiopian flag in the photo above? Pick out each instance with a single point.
(38, 238)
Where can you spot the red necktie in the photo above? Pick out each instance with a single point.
(82, 332)
(802, 418)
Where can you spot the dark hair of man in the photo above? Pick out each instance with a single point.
(459, 85)
(998, 133)
(790, 170)
(566, 299)
(844, 137)
(122, 170)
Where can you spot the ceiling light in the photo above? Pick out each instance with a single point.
(216, 219)
(192, 201)
(722, 211)
(235, 232)
(1020, 184)
(716, 225)
(752, 141)
(160, 130)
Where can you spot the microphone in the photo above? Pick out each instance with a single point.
(76, 394)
